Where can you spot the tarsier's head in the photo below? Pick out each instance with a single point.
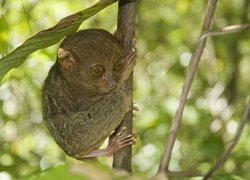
(93, 59)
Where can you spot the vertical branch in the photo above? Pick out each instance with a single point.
(164, 165)
(126, 20)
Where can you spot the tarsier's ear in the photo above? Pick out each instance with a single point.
(119, 35)
(65, 58)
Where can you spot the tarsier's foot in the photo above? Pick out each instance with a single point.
(116, 142)
(120, 140)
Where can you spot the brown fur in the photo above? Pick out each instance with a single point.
(81, 111)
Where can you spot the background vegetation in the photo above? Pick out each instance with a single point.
(166, 31)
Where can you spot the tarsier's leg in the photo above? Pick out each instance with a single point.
(116, 142)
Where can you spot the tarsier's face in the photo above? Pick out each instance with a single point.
(105, 75)
(94, 62)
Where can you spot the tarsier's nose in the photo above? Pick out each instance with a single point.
(109, 82)
(112, 85)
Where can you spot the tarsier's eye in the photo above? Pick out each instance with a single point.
(97, 70)
(119, 64)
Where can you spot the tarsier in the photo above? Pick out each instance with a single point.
(83, 98)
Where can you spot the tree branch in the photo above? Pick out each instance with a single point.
(194, 173)
(164, 165)
(126, 20)
(226, 30)
(223, 157)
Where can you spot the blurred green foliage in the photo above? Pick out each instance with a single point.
(166, 33)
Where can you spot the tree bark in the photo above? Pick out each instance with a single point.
(126, 20)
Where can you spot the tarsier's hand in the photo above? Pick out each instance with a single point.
(129, 64)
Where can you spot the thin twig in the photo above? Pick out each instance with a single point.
(187, 84)
(191, 173)
(226, 153)
(226, 30)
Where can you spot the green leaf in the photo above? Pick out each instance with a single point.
(60, 172)
(48, 37)
(78, 171)
(4, 28)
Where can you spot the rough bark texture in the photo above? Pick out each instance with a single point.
(126, 20)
